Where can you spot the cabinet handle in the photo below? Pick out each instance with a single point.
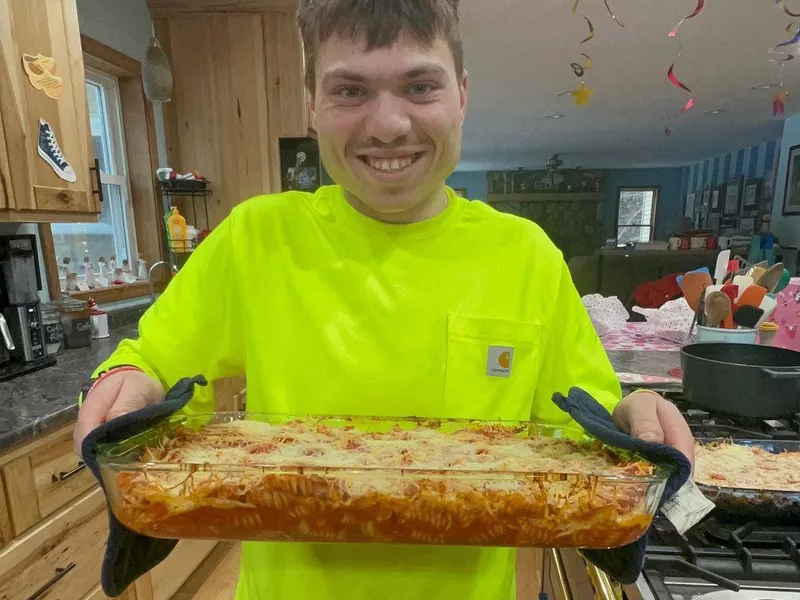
(64, 475)
(99, 190)
(561, 574)
(60, 572)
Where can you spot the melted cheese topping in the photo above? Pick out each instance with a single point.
(747, 467)
(301, 444)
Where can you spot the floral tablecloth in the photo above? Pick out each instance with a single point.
(637, 336)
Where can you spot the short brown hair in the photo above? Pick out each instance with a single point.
(380, 22)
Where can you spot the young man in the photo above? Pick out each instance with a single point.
(383, 295)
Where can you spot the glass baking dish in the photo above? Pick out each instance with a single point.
(452, 505)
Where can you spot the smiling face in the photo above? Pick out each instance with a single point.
(389, 124)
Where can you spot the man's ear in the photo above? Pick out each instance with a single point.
(462, 88)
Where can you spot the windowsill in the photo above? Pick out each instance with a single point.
(120, 292)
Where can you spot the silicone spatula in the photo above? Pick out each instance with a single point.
(752, 296)
(722, 266)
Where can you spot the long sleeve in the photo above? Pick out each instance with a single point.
(194, 327)
(573, 355)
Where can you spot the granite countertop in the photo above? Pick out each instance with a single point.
(40, 402)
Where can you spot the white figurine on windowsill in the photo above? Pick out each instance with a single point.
(126, 266)
(112, 263)
(65, 266)
(102, 267)
(142, 268)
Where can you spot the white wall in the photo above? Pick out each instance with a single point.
(125, 25)
(786, 228)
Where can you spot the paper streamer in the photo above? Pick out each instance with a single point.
(613, 16)
(591, 30)
(580, 69)
(671, 77)
(782, 5)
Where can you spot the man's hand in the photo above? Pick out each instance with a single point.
(649, 417)
(114, 396)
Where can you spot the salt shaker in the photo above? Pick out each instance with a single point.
(99, 321)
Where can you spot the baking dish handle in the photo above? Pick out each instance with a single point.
(782, 372)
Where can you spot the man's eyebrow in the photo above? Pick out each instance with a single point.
(343, 73)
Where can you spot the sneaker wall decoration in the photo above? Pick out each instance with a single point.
(50, 152)
(41, 72)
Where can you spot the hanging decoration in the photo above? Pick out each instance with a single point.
(582, 94)
(783, 53)
(671, 77)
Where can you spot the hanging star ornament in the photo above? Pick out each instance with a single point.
(582, 95)
(779, 103)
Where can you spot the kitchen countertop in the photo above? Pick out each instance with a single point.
(45, 400)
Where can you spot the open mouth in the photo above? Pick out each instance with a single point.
(391, 165)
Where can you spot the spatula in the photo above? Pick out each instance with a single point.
(752, 296)
(722, 266)
(768, 305)
(784, 281)
(772, 277)
(731, 291)
(743, 281)
(718, 306)
(693, 285)
(747, 316)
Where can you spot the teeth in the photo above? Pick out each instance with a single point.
(394, 164)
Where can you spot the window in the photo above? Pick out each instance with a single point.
(636, 214)
(113, 235)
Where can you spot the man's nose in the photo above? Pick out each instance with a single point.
(388, 120)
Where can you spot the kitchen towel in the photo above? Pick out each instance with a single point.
(130, 555)
(625, 563)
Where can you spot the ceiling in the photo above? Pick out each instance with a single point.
(518, 54)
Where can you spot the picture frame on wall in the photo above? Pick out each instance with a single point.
(715, 205)
(688, 211)
(747, 224)
(791, 196)
(714, 222)
(733, 194)
(752, 194)
(706, 196)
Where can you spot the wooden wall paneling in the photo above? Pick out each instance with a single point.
(14, 111)
(248, 87)
(286, 97)
(169, 111)
(6, 189)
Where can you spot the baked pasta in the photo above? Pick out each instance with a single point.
(377, 481)
(728, 465)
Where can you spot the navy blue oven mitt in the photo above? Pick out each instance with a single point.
(130, 555)
(625, 563)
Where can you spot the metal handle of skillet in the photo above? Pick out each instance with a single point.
(782, 372)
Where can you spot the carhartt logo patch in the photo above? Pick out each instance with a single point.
(499, 361)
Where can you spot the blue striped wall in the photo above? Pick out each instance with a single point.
(755, 161)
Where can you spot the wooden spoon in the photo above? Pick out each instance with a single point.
(772, 277)
(718, 306)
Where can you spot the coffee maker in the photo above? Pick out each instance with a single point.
(22, 348)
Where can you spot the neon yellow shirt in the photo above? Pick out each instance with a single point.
(469, 314)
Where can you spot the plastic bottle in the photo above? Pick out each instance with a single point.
(177, 231)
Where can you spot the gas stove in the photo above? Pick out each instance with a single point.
(723, 558)
(705, 424)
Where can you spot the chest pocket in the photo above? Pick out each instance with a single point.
(492, 368)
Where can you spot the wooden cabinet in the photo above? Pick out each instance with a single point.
(42, 478)
(30, 189)
(54, 525)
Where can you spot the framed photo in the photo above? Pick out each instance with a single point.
(791, 197)
(706, 196)
(715, 205)
(462, 192)
(714, 222)
(733, 193)
(689, 208)
(747, 224)
(752, 193)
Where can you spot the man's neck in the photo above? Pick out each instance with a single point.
(432, 206)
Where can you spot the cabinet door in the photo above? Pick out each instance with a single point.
(50, 28)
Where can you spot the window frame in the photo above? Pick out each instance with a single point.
(139, 155)
(653, 212)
